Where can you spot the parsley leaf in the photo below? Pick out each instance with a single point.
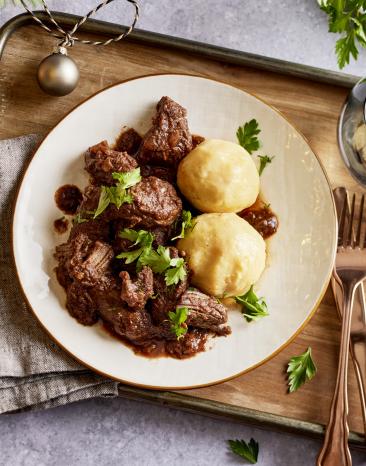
(118, 194)
(187, 224)
(158, 260)
(128, 179)
(176, 273)
(177, 320)
(253, 308)
(249, 451)
(300, 369)
(263, 161)
(142, 238)
(247, 136)
(346, 17)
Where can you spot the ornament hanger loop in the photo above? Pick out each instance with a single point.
(67, 37)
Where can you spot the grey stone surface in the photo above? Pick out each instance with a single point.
(108, 432)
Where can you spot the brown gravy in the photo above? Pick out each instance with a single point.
(68, 198)
(193, 343)
(261, 217)
(61, 225)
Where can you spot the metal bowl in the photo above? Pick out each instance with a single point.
(352, 115)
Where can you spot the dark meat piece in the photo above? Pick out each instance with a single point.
(129, 141)
(136, 326)
(101, 161)
(155, 203)
(75, 250)
(93, 269)
(136, 292)
(196, 139)
(68, 198)
(85, 261)
(166, 297)
(81, 305)
(164, 173)
(97, 229)
(62, 275)
(90, 201)
(204, 311)
(169, 139)
(162, 235)
(193, 342)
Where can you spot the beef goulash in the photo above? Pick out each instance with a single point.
(125, 263)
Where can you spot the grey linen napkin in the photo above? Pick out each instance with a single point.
(34, 372)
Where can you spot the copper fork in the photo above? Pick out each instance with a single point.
(350, 270)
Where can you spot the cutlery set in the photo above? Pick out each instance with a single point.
(348, 288)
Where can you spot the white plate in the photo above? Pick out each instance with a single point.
(300, 257)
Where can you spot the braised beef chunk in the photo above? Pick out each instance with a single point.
(165, 297)
(136, 292)
(155, 203)
(93, 270)
(128, 141)
(101, 161)
(81, 305)
(136, 326)
(204, 311)
(164, 173)
(193, 342)
(169, 139)
(85, 261)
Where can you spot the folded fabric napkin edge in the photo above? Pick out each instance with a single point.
(34, 371)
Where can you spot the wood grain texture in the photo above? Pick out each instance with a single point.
(312, 107)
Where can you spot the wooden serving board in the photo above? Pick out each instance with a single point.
(261, 395)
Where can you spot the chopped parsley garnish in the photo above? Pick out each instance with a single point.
(247, 136)
(177, 320)
(187, 224)
(248, 451)
(253, 308)
(118, 194)
(158, 260)
(177, 272)
(128, 179)
(264, 160)
(141, 238)
(300, 369)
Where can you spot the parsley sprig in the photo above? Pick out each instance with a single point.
(118, 194)
(300, 369)
(346, 17)
(177, 320)
(263, 161)
(247, 138)
(249, 451)
(143, 239)
(158, 260)
(247, 135)
(253, 308)
(187, 224)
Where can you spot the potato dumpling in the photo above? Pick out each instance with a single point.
(219, 176)
(225, 253)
